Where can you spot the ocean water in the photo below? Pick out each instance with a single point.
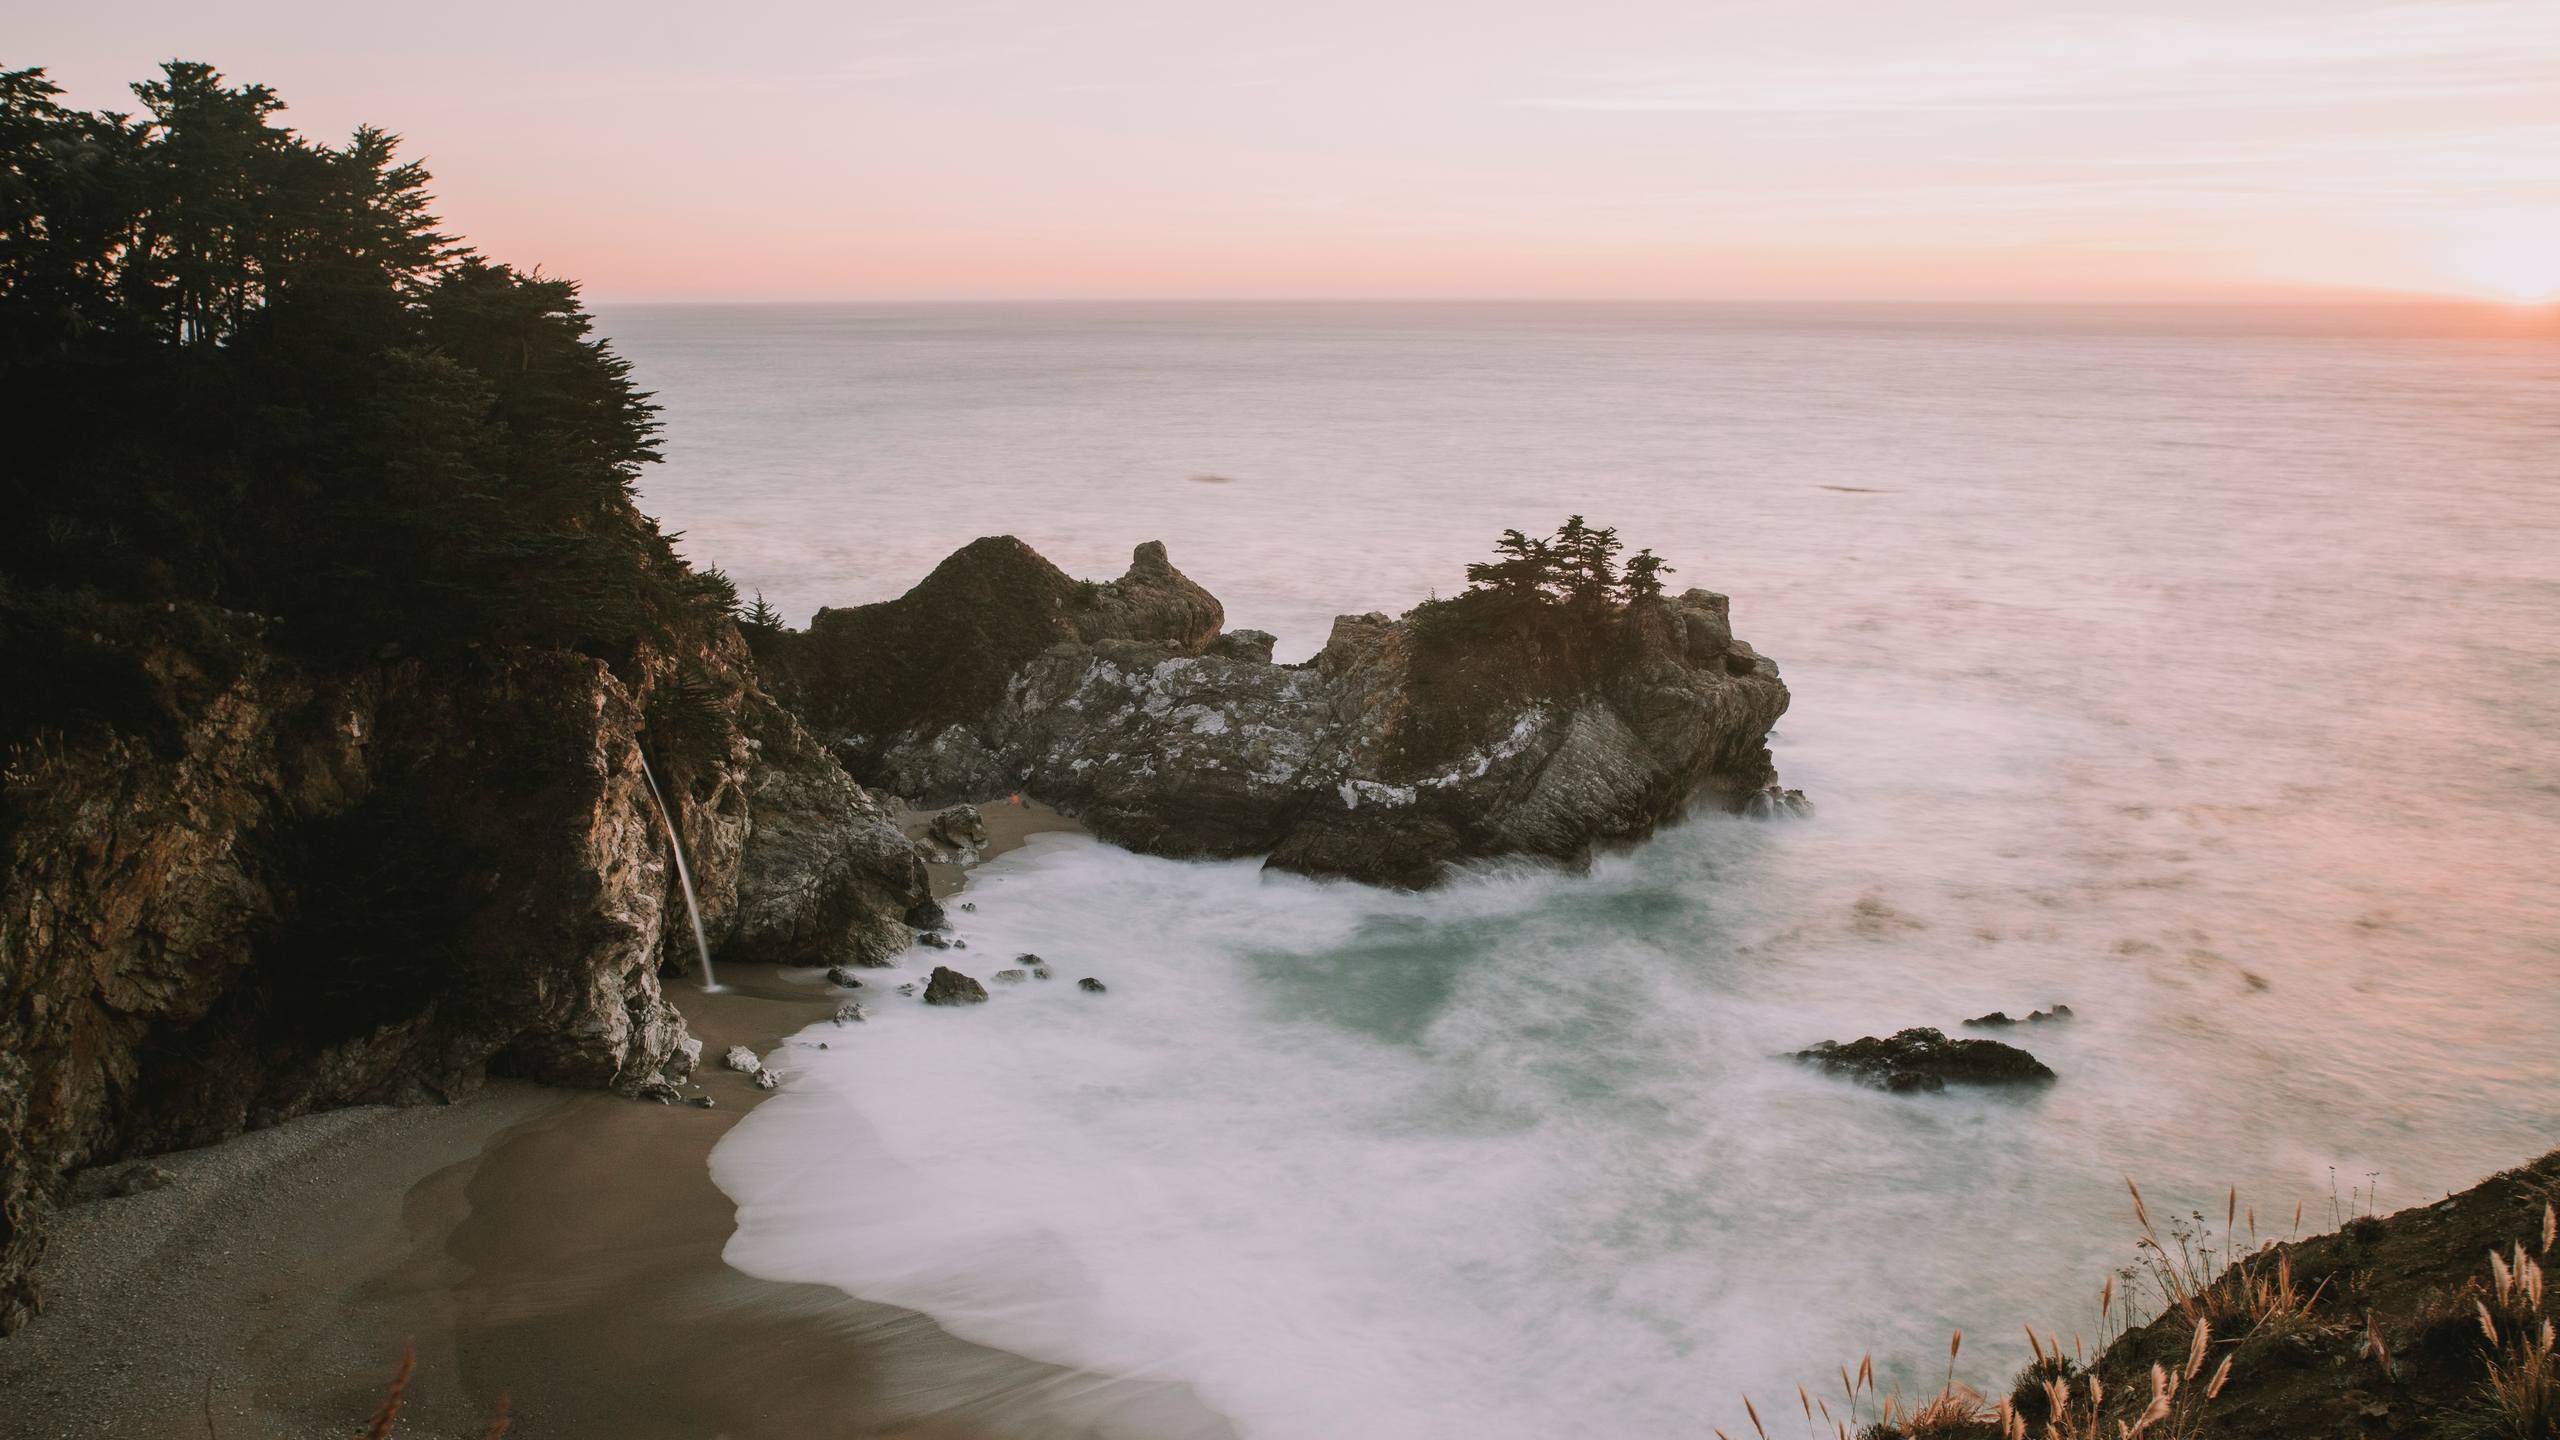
(2194, 669)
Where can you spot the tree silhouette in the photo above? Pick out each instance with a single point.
(1644, 576)
(237, 365)
(1527, 569)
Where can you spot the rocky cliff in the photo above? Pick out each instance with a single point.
(1465, 729)
(301, 888)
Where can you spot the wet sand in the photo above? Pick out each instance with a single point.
(558, 1249)
(1008, 825)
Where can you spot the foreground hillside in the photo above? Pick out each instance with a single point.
(2432, 1322)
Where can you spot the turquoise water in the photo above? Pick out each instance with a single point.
(2195, 674)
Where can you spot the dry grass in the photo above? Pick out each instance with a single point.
(2215, 1280)
(2523, 1385)
(2219, 1288)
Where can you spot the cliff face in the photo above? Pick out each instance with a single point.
(316, 889)
(1407, 745)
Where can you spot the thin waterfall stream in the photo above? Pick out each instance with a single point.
(684, 875)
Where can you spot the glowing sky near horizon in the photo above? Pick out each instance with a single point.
(1767, 149)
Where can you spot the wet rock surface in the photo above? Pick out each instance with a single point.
(2000, 1019)
(947, 986)
(1406, 746)
(1924, 1059)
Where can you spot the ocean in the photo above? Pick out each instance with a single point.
(2196, 669)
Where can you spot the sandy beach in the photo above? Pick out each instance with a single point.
(556, 1250)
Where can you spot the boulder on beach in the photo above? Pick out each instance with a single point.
(960, 829)
(927, 914)
(843, 977)
(768, 1080)
(1923, 1059)
(933, 940)
(850, 1013)
(742, 1060)
(658, 1090)
(1092, 986)
(947, 986)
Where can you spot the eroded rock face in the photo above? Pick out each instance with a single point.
(1922, 1059)
(1407, 745)
(385, 884)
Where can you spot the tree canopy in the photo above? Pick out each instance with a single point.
(1577, 567)
(244, 367)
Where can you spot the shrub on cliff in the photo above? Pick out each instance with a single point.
(1542, 620)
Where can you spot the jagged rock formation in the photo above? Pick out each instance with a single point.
(1462, 730)
(325, 888)
(1924, 1059)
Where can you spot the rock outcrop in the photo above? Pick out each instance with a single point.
(1466, 729)
(303, 888)
(1924, 1059)
(947, 986)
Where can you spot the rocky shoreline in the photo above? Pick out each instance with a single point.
(559, 1249)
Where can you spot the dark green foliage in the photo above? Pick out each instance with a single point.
(1578, 566)
(1526, 570)
(688, 723)
(761, 616)
(1543, 620)
(243, 368)
(1643, 580)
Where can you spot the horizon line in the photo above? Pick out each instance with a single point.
(2323, 299)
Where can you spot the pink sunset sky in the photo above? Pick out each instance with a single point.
(1812, 149)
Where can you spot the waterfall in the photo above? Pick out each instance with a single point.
(684, 877)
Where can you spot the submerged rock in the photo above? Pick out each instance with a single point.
(927, 914)
(1039, 972)
(1013, 977)
(947, 986)
(1774, 801)
(843, 978)
(768, 1079)
(1999, 1018)
(1923, 1059)
(851, 1013)
(1092, 986)
(1466, 729)
(933, 940)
